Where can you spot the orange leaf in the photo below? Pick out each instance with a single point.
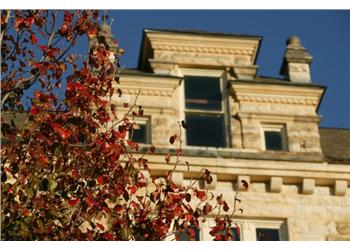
(33, 39)
(91, 202)
(34, 110)
(172, 139)
(167, 158)
(73, 202)
(100, 180)
(100, 226)
(201, 195)
(132, 189)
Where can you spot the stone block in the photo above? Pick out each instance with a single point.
(308, 186)
(178, 178)
(276, 184)
(240, 183)
(213, 184)
(340, 187)
(147, 175)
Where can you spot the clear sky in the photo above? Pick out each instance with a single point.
(325, 34)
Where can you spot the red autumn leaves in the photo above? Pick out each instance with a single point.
(49, 51)
(73, 202)
(63, 133)
(172, 139)
(22, 22)
(91, 170)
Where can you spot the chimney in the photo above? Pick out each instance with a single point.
(105, 38)
(296, 62)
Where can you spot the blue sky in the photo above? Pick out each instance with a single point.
(325, 34)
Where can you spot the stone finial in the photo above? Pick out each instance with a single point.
(296, 62)
(104, 37)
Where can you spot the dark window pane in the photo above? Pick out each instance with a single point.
(186, 236)
(205, 130)
(235, 235)
(273, 140)
(267, 234)
(140, 134)
(202, 93)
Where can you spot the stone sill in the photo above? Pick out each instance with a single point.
(212, 152)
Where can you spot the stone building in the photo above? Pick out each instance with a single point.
(242, 126)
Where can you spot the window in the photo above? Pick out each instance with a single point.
(267, 234)
(273, 140)
(235, 235)
(141, 131)
(274, 137)
(251, 230)
(204, 111)
(185, 236)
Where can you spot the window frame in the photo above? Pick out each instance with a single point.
(145, 120)
(247, 228)
(274, 127)
(221, 75)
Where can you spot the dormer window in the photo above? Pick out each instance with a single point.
(273, 140)
(204, 111)
(141, 131)
(274, 137)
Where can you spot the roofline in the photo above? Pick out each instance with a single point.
(258, 51)
(321, 98)
(198, 32)
(334, 128)
(140, 50)
(254, 80)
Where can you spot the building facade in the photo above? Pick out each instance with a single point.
(242, 126)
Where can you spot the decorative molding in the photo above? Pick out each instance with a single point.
(198, 49)
(148, 92)
(280, 100)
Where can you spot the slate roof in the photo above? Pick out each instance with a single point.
(335, 143)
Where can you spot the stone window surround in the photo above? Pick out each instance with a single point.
(144, 120)
(248, 228)
(276, 127)
(222, 74)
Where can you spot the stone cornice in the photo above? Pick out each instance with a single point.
(276, 94)
(150, 86)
